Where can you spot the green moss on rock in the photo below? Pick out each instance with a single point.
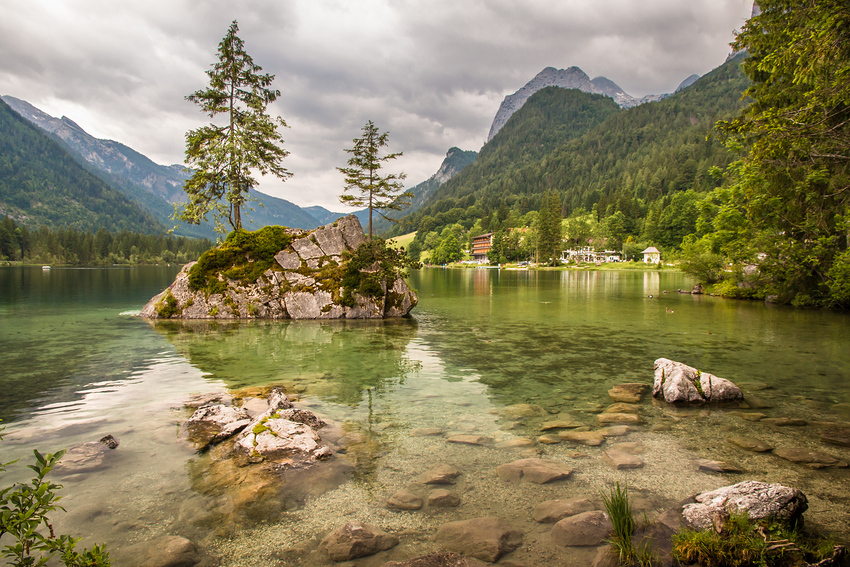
(244, 256)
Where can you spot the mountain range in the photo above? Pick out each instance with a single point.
(572, 78)
(156, 188)
(153, 187)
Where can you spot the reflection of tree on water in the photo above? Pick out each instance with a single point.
(333, 360)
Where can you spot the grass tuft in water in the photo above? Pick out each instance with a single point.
(619, 509)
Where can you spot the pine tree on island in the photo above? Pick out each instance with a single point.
(222, 157)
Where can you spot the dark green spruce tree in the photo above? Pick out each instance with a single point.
(363, 178)
(549, 239)
(223, 156)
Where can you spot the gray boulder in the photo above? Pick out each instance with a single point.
(680, 383)
(758, 499)
(486, 538)
(356, 539)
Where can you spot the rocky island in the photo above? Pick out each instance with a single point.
(333, 272)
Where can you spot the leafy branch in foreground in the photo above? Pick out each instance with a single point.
(24, 510)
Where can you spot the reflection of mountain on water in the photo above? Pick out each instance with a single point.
(334, 360)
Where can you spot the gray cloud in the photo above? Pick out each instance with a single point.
(432, 73)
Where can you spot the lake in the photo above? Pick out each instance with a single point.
(492, 353)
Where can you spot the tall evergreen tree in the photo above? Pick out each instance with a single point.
(549, 239)
(376, 191)
(223, 156)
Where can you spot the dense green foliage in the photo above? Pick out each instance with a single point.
(374, 264)
(743, 543)
(41, 184)
(223, 157)
(363, 178)
(78, 248)
(25, 508)
(243, 256)
(782, 222)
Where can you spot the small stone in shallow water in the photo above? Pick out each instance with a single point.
(592, 438)
(707, 465)
(585, 529)
(443, 474)
(442, 498)
(538, 471)
(627, 393)
(614, 430)
(621, 407)
(552, 511)
(466, 439)
(356, 539)
(752, 416)
(633, 448)
(549, 439)
(404, 500)
(515, 443)
(631, 418)
(809, 457)
(749, 443)
(785, 422)
(836, 436)
(486, 538)
(621, 460)
(559, 424)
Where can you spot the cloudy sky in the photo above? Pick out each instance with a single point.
(432, 73)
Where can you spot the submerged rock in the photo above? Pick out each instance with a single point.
(679, 383)
(86, 457)
(486, 538)
(809, 457)
(552, 511)
(538, 471)
(304, 280)
(749, 443)
(165, 551)
(442, 474)
(758, 499)
(585, 529)
(356, 539)
(405, 500)
(629, 393)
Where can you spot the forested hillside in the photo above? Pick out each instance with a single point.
(42, 185)
(596, 157)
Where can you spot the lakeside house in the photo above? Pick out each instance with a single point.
(590, 255)
(481, 245)
(652, 255)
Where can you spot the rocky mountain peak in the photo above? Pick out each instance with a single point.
(571, 78)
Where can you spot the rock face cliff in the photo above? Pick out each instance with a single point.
(572, 78)
(285, 273)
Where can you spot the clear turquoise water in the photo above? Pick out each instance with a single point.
(77, 365)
